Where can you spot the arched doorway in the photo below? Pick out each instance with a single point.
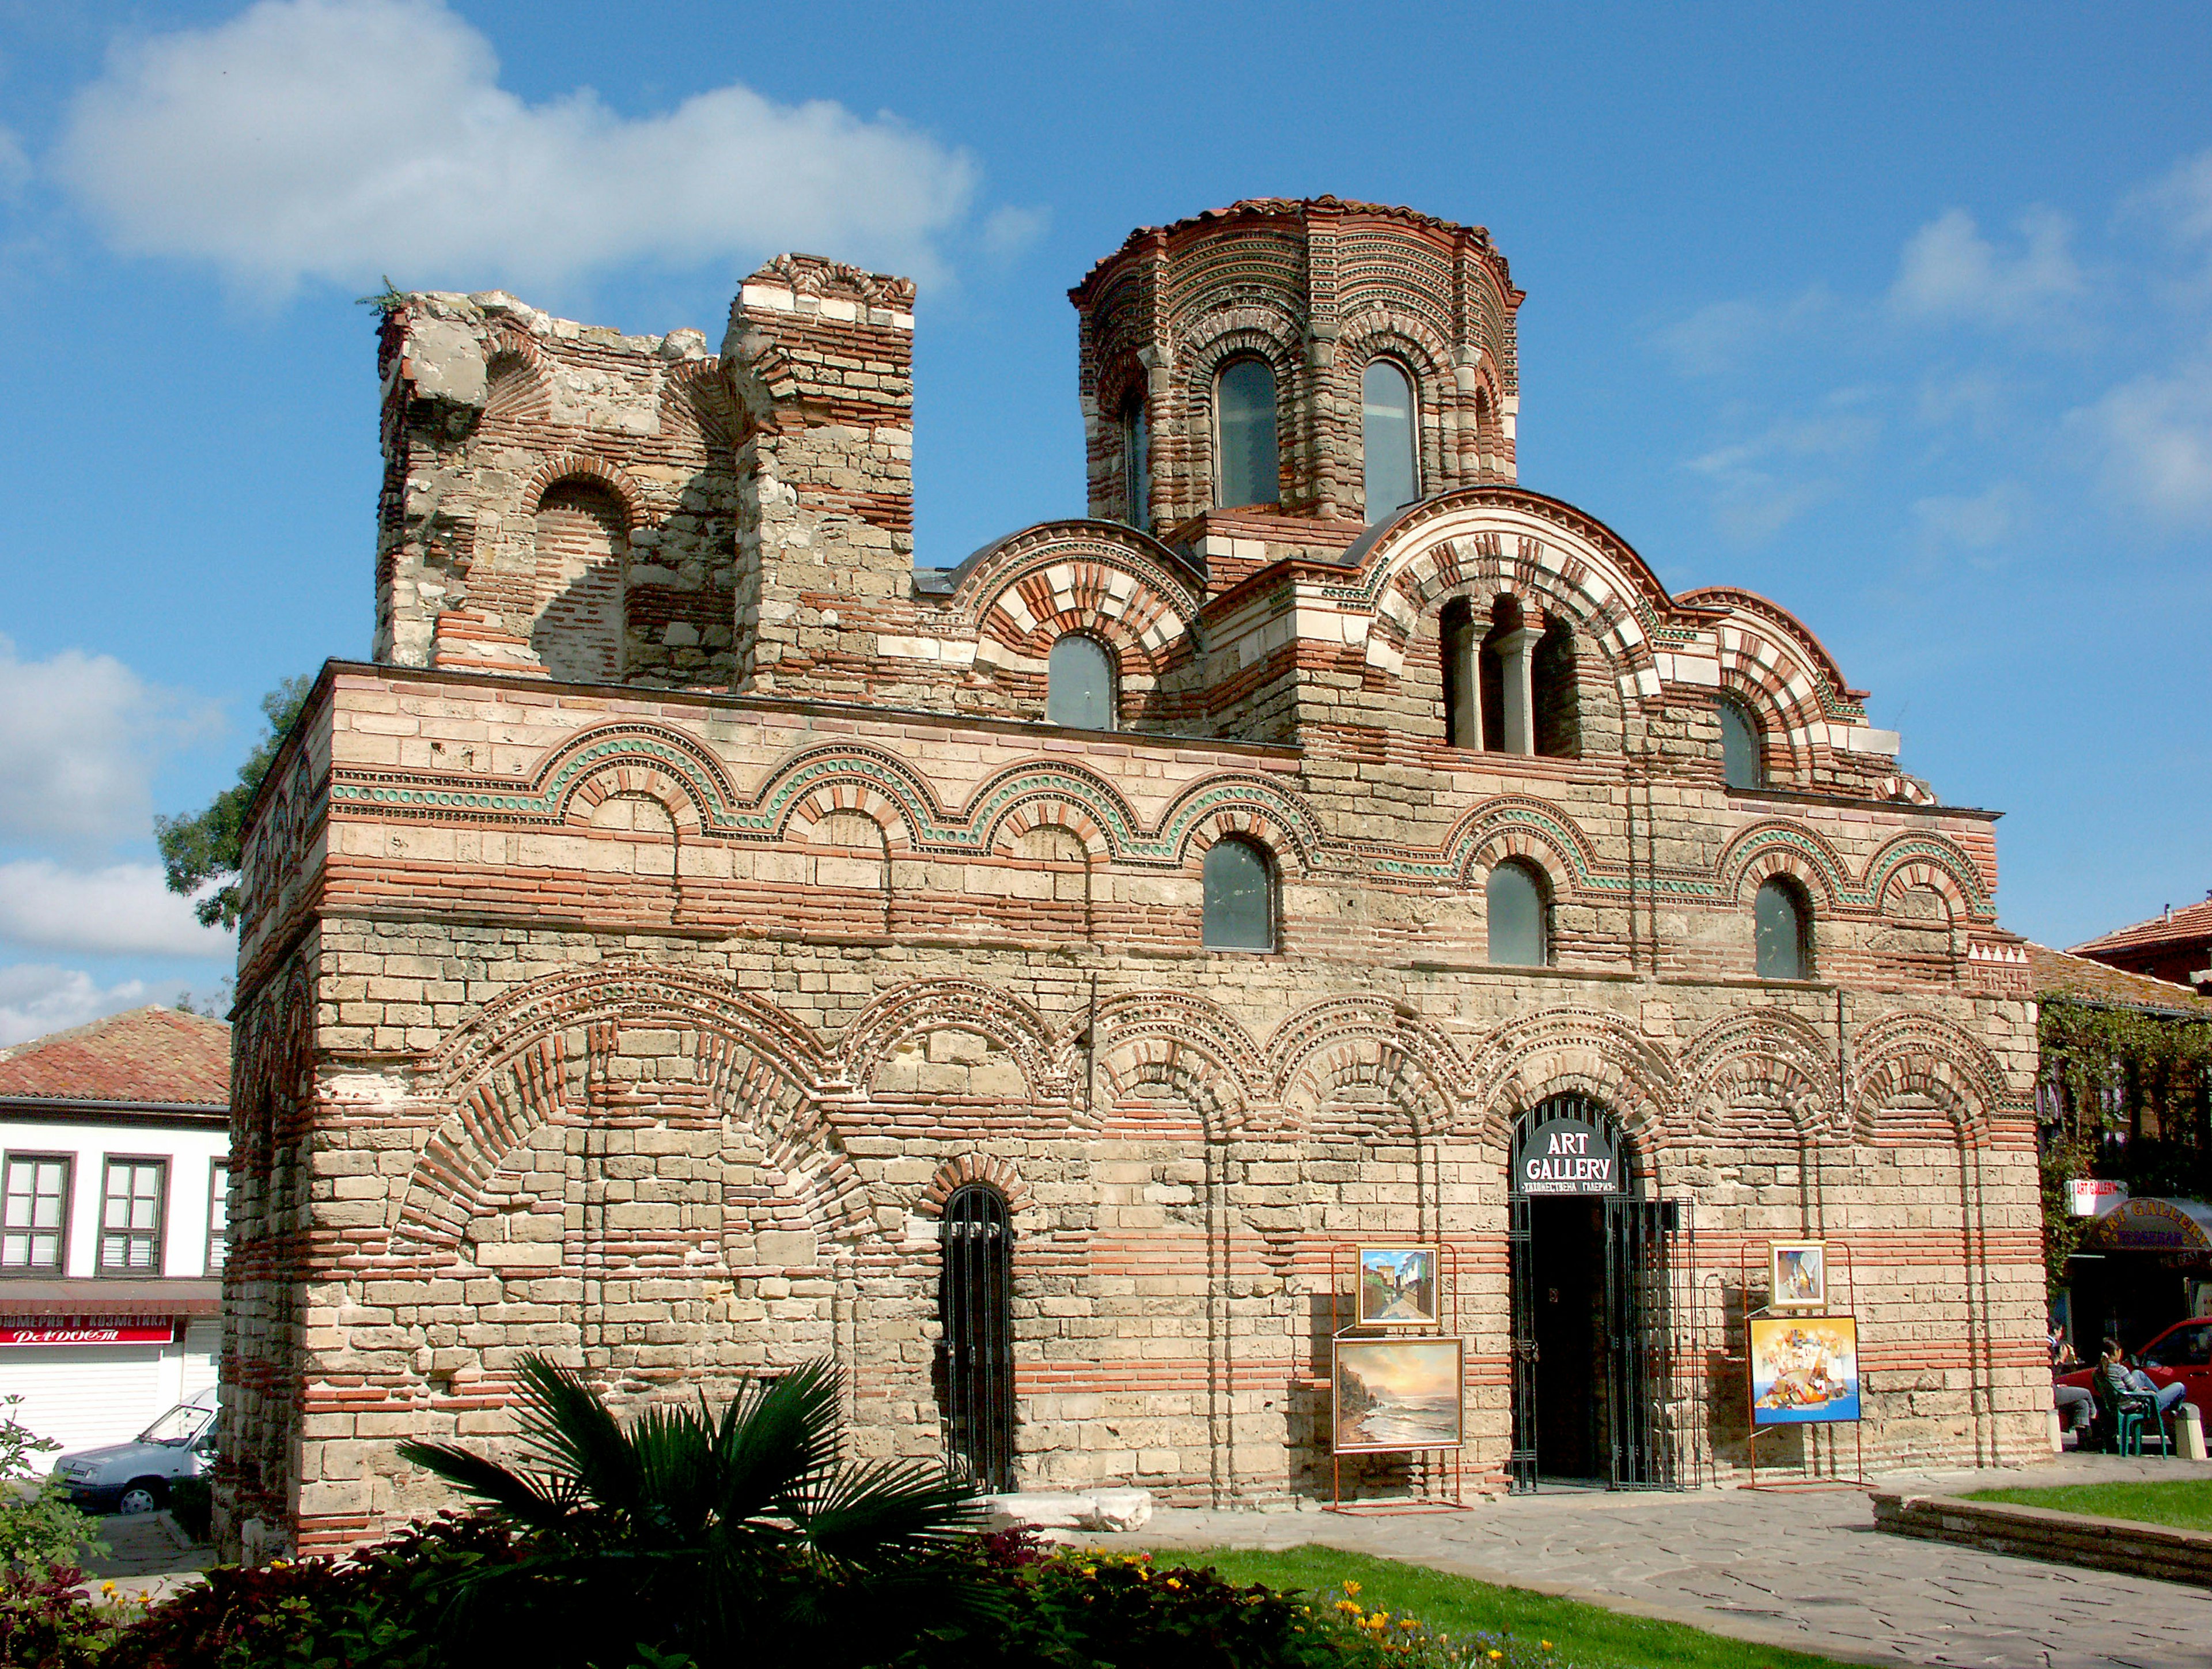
(1594, 1265)
(976, 1350)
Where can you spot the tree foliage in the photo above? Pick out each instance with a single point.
(39, 1528)
(209, 846)
(2123, 1093)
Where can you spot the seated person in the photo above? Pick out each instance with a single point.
(2124, 1380)
(2079, 1405)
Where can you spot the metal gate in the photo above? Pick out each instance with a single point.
(1644, 1404)
(975, 1309)
(1644, 1266)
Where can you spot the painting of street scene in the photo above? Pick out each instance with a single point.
(1396, 1394)
(1397, 1286)
(1804, 1369)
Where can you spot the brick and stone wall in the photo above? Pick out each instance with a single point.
(692, 896)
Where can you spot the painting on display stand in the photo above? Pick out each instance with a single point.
(1804, 1369)
(1397, 1286)
(1797, 1275)
(1395, 1393)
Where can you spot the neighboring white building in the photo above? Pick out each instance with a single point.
(114, 1196)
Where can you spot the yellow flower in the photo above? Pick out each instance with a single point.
(1495, 1654)
(1352, 1587)
(1407, 1623)
(1173, 1583)
(1348, 1605)
(1546, 1644)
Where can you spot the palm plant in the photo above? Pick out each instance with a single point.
(741, 1534)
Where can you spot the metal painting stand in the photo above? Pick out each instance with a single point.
(1834, 1480)
(1447, 1295)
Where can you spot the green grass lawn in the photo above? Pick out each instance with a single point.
(2186, 1503)
(1585, 1637)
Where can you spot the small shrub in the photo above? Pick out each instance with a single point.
(48, 1619)
(191, 1504)
(38, 1526)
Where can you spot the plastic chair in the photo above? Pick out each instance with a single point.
(2123, 1412)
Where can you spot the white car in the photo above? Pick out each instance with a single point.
(135, 1477)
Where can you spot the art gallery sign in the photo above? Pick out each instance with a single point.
(1567, 1156)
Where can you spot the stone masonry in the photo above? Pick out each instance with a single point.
(691, 895)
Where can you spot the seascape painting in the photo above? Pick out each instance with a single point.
(1797, 1275)
(1397, 1286)
(1804, 1369)
(1396, 1394)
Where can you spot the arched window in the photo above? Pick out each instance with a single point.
(1520, 935)
(1386, 438)
(1240, 896)
(1740, 752)
(1246, 466)
(1463, 674)
(1136, 463)
(1784, 922)
(1080, 683)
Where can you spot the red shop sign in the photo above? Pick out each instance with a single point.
(84, 1329)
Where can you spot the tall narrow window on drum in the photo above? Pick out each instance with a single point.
(1080, 683)
(1246, 466)
(1136, 463)
(1386, 436)
(1740, 749)
(1463, 674)
(1515, 904)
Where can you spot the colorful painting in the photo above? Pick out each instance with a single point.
(1804, 1369)
(1395, 1394)
(1797, 1275)
(1397, 1286)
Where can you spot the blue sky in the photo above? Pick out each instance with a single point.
(1900, 315)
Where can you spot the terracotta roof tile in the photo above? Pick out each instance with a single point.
(2061, 974)
(158, 1055)
(2191, 924)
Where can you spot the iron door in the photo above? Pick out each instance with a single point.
(975, 1308)
(1640, 1265)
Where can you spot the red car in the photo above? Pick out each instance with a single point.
(2183, 1352)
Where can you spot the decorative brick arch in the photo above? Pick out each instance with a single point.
(1252, 807)
(638, 779)
(1906, 1054)
(561, 466)
(1513, 826)
(1772, 1054)
(526, 396)
(664, 762)
(819, 804)
(965, 1005)
(1776, 848)
(1927, 860)
(1185, 1046)
(696, 397)
(1039, 792)
(1370, 1041)
(992, 1170)
(527, 1058)
(1569, 1049)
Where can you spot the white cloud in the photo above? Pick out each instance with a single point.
(1008, 231)
(35, 999)
(1950, 272)
(15, 167)
(1761, 485)
(343, 139)
(1975, 522)
(77, 746)
(124, 909)
(2182, 200)
(1718, 337)
(2153, 440)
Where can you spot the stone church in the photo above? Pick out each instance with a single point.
(699, 939)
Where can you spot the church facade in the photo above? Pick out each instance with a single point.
(699, 940)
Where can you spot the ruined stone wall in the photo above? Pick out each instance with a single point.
(558, 499)
(654, 1035)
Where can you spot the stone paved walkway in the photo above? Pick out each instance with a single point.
(1801, 1569)
(147, 1554)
